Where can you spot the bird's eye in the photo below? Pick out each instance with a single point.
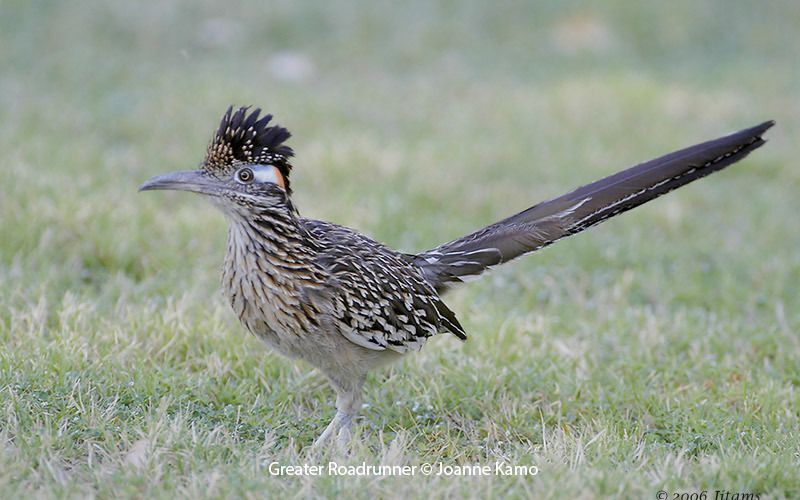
(245, 175)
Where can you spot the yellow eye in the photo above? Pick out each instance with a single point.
(245, 175)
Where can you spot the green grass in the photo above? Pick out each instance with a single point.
(658, 351)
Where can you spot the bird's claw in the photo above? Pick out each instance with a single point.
(340, 427)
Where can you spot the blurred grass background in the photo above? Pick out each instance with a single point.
(658, 351)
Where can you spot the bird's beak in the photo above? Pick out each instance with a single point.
(190, 180)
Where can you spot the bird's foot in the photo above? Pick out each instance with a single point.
(341, 428)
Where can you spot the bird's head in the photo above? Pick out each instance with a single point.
(246, 166)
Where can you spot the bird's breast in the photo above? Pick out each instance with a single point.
(269, 291)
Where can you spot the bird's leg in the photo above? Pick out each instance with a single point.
(347, 406)
(348, 402)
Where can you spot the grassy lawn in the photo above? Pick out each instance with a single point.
(658, 351)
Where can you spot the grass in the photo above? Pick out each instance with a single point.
(656, 352)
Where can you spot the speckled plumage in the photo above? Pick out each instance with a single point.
(345, 303)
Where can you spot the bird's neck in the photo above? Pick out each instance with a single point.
(270, 263)
(271, 238)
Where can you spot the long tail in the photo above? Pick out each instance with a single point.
(549, 221)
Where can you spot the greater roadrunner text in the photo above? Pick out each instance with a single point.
(345, 303)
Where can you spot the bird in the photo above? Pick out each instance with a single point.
(346, 304)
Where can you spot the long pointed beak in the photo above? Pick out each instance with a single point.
(190, 180)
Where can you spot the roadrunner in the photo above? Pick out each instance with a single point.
(346, 304)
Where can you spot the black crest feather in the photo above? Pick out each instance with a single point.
(243, 137)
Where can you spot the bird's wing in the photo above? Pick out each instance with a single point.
(381, 301)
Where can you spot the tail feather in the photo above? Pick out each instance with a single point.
(547, 222)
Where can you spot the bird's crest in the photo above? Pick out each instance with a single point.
(244, 138)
